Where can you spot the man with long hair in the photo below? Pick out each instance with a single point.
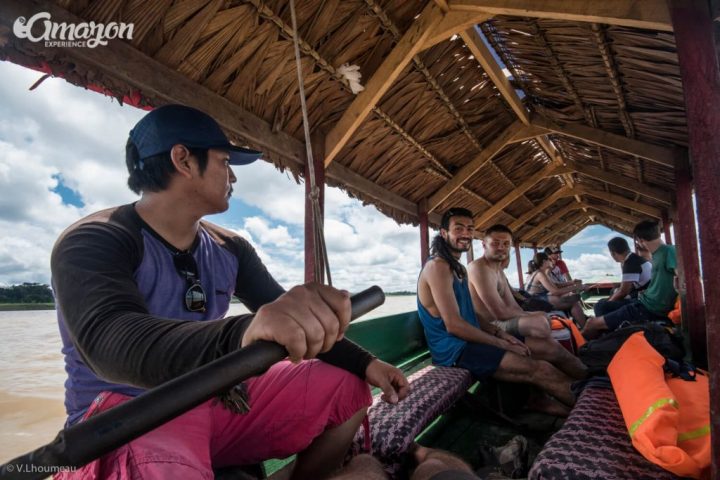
(457, 336)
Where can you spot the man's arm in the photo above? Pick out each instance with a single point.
(623, 291)
(109, 323)
(439, 277)
(484, 284)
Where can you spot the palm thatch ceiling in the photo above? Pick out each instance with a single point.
(547, 116)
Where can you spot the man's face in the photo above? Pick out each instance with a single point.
(617, 256)
(554, 257)
(497, 246)
(459, 234)
(215, 185)
(641, 243)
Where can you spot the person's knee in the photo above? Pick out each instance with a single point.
(537, 326)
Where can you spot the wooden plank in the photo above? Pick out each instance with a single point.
(451, 24)
(650, 14)
(621, 181)
(528, 133)
(552, 220)
(518, 261)
(616, 213)
(121, 61)
(697, 55)
(492, 68)
(664, 156)
(550, 170)
(622, 201)
(541, 207)
(574, 224)
(472, 167)
(381, 80)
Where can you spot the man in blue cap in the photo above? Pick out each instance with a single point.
(142, 293)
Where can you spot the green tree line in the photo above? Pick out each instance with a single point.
(26, 293)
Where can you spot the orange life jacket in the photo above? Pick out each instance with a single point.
(558, 323)
(675, 314)
(668, 418)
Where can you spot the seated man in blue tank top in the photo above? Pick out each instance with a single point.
(458, 337)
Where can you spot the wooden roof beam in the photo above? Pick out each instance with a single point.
(394, 63)
(574, 224)
(631, 219)
(664, 156)
(650, 14)
(551, 220)
(622, 201)
(484, 56)
(619, 217)
(123, 62)
(472, 167)
(550, 170)
(616, 224)
(631, 184)
(452, 24)
(541, 207)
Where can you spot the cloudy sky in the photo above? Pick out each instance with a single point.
(62, 157)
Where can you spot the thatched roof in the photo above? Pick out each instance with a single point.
(584, 126)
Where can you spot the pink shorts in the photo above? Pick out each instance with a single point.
(290, 406)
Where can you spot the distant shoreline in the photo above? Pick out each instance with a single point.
(14, 307)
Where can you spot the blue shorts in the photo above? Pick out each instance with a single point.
(604, 306)
(481, 359)
(631, 313)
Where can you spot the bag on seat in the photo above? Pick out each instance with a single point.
(597, 354)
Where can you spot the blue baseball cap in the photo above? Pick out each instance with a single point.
(170, 125)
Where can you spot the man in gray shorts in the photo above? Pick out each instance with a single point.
(491, 294)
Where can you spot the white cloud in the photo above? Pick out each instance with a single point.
(265, 234)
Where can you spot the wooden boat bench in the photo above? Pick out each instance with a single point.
(393, 428)
(594, 444)
(400, 340)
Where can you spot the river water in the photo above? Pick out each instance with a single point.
(32, 375)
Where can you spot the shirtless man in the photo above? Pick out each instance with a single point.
(491, 293)
(458, 337)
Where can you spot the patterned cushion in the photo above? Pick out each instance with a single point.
(594, 444)
(393, 428)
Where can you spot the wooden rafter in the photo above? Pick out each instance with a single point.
(626, 217)
(394, 63)
(573, 223)
(621, 181)
(491, 67)
(650, 14)
(451, 24)
(664, 156)
(622, 201)
(437, 168)
(472, 167)
(541, 207)
(551, 220)
(549, 170)
(465, 190)
(388, 24)
(616, 224)
(121, 61)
